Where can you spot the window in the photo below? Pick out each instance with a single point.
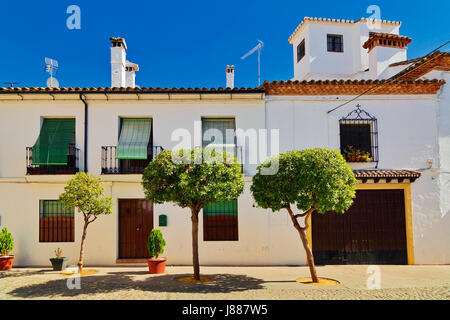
(220, 221)
(359, 136)
(56, 224)
(54, 151)
(335, 43)
(301, 50)
(134, 149)
(219, 134)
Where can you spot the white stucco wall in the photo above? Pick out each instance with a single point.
(319, 64)
(408, 138)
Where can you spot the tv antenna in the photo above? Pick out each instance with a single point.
(11, 84)
(257, 47)
(51, 66)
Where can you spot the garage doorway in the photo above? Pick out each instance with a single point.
(372, 231)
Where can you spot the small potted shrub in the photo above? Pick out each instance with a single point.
(6, 246)
(155, 246)
(59, 262)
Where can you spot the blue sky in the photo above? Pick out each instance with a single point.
(184, 43)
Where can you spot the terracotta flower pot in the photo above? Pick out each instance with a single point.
(156, 265)
(6, 262)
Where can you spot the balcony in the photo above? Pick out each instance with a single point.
(72, 166)
(112, 165)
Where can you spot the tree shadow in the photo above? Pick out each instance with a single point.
(14, 273)
(98, 284)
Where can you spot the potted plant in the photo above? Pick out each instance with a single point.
(350, 154)
(6, 246)
(155, 246)
(59, 262)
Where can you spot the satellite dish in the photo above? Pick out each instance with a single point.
(52, 83)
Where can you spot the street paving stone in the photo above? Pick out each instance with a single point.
(250, 283)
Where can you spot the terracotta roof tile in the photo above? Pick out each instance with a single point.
(312, 19)
(4, 90)
(386, 174)
(351, 87)
(386, 40)
(435, 61)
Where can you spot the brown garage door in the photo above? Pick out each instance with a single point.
(135, 224)
(372, 231)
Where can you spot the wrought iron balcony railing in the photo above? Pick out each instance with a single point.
(72, 166)
(111, 165)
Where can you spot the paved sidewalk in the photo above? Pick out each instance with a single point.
(397, 282)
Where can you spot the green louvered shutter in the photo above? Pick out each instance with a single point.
(221, 208)
(220, 221)
(134, 138)
(52, 146)
(215, 134)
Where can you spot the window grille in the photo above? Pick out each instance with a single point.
(359, 136)
(56, 223)
(301, 50)
(335, 43)
(220, 221)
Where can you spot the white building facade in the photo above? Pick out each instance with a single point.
(402, 126)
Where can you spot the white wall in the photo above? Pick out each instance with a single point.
(407, 139)
(20, 124)
(319, 64)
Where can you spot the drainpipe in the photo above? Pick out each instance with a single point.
(85, 132)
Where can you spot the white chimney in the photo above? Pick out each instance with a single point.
(118, 62)
(230, 76)
(384, 49)
(130, 74)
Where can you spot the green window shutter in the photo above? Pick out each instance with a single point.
(53, 209)
(134, 138)
(214, 134)
(221, 208)
(52, 146)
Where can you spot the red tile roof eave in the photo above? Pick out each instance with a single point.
(352, 87)
(378, 174)
(101, 90)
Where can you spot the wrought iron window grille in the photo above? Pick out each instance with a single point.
(359, 136)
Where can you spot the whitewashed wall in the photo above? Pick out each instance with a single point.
(319, 64)
(407, 139)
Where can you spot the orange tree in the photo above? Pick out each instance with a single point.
(312, 180)
(191, 179)
(86, 193)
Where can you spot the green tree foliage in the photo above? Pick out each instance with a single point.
(86, 193)
(313, 180)
(6, 242)
(155, 243)
(192, 183)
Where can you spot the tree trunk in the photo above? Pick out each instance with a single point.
(302, 233)
(195, 263)
(83, 237)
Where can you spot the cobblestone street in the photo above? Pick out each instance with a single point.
(397, 282)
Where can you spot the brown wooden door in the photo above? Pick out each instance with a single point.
(372, 231)
(135, 224)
